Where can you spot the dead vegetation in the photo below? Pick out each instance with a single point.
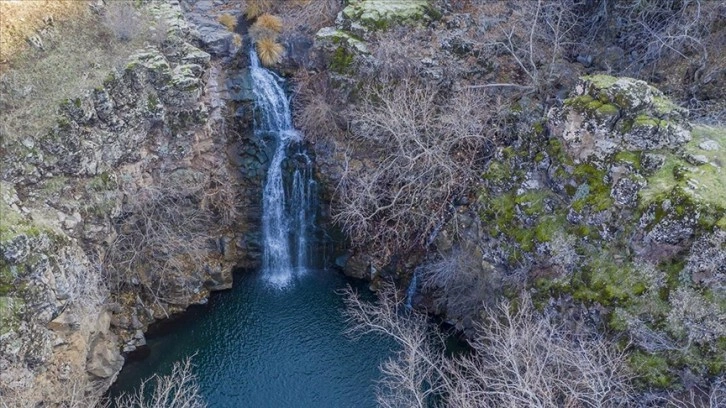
(427, 145)
(72, 56)
(179, 389)
(176, 390)
(519, 358)
(311, 15)
(161, 236)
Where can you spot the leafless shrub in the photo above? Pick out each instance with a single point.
(316, 110)
(176, 390)
(311, 15)
(663, 29)
(519, 359)
(122, 19)
(414, 375)
(76, 391)
(394, 61)
(425, 146)
(535, 36)
(458, 281)
(697, 398)
(220, 199)
(525, 359)
(163, 233)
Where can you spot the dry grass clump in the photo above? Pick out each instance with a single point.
(257, 8)
(22, 19)
(237, 40)
(266, 26)
(228, 21)
(269, 22)
(265, 32)
(269, 51)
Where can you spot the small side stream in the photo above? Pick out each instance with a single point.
(259, 346)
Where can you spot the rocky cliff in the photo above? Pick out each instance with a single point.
(596, 193)
(136, 204)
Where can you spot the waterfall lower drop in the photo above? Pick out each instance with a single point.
(288, 215)
(411, 291)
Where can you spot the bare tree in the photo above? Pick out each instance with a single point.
(519, 358)
(122, 18)
(415, 374)
(458, 282)
(424, 145)
(162, 234)
(176, 390)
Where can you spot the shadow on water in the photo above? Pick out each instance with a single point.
(260, 346)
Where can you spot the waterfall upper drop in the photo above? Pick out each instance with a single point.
(288, 196)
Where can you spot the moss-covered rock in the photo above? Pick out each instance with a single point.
(370, 15)
(608, 114)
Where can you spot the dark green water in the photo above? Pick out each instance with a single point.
(261, 346)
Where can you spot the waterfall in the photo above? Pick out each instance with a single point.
(411, 291)
(288, 205)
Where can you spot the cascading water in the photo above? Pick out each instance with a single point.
(288, 195)
(411, 291)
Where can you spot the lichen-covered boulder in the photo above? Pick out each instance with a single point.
(363, 16)
(606, 115)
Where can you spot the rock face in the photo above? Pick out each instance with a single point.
(360, 16)
(155, 136)
(608, 114)
(607, 206)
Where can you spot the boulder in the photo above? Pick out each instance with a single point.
(608, 114)
(104, 359)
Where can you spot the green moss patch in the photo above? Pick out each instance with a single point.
(597, 193)
(705, 184)
(651, 369)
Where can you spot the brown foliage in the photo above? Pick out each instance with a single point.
(269, 51)
(228, 21)
(256, 8)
